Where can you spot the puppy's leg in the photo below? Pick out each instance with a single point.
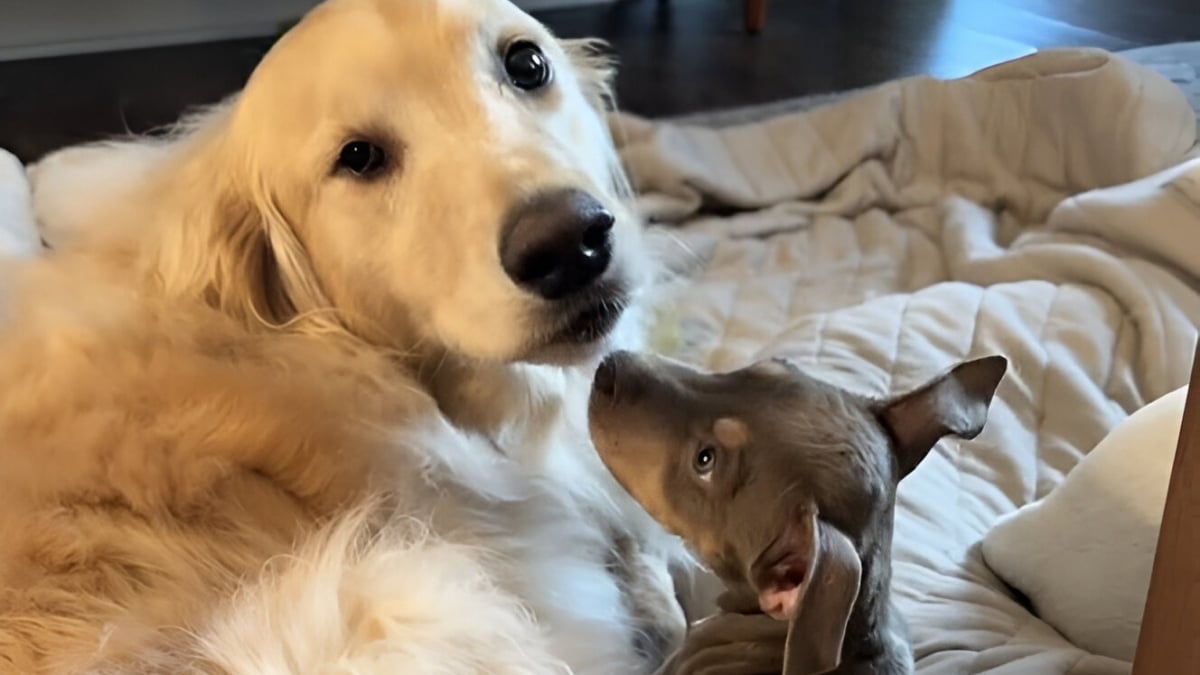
(697, 590)
(18, 230)
(731, 644)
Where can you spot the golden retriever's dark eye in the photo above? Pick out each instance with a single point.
(362, 158)
(527, 67)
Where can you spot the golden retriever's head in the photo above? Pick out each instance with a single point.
(438, 173)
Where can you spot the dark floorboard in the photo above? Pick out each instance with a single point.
(677, 56)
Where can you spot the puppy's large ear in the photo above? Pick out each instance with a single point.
(811, 581)
(818, 628)
(955, 402)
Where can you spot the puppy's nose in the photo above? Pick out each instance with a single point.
(605, 379)
(618, 370)
(557, 243)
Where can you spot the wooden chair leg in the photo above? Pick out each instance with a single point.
(1166, 643)
(756, 15)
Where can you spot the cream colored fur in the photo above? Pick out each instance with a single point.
(259, 416)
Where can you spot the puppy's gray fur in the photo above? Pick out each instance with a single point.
(785, 486)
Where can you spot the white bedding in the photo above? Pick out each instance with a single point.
(17, 235)
(1084, 554)
(878, 240)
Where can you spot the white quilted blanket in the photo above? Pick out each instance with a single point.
(878, 240)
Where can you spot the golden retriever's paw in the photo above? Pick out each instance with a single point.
(359, 600)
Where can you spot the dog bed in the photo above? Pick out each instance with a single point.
(1045, 209)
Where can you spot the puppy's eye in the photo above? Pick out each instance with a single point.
(704, 461)
(526, 66)
(361, 158)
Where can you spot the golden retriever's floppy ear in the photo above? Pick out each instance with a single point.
(596, 67)
(228, 242)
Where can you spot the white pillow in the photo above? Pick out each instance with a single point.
(18, 233)
(1083, 554)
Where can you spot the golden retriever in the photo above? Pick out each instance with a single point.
(301, 387)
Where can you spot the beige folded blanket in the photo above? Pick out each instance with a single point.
(1021, 211)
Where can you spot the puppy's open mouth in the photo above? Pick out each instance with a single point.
(780, 567)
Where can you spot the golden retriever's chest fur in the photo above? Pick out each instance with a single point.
(577, 531)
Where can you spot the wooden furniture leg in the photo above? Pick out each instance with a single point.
(1168, 641)
(756, 15)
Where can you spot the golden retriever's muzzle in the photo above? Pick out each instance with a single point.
(557, 246)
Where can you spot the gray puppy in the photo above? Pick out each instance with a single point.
(785, 486)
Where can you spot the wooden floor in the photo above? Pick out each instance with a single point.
(677, 55)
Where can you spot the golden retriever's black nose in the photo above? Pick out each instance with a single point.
(557, 243)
